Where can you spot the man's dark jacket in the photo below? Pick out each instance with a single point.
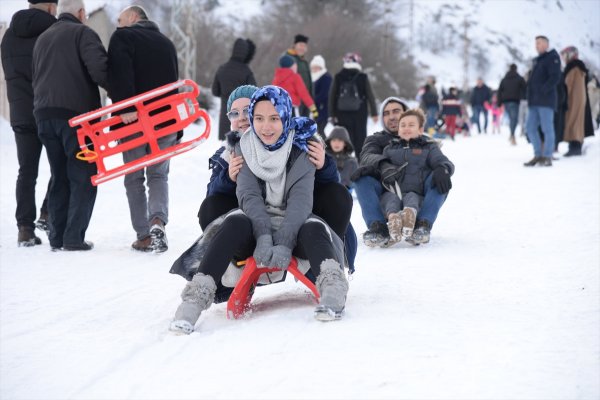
(372, 154)
(543, 80)
(17, 50)
(140, 58)
(480, 95)
(512, 88)
(69, 63)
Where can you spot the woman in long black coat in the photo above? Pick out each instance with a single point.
(232, 74)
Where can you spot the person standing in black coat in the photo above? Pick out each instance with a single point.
(354, 118)
(479, 95)
(69, 63)
(17, 51)
(510, 93)
(232, 74)
(141, 58)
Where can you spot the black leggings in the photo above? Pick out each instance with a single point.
(235, 241)
(331, 201)
(214, 206)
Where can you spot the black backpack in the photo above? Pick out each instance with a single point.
(349, 98)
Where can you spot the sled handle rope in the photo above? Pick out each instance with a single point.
(86, 155)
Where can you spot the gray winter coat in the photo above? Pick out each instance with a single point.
(69, 63)
(297, 198)
(417, 158)
(250, 191)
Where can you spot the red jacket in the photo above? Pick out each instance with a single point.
(293, 83)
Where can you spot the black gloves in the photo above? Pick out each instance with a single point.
(390, 173)
(441, 180)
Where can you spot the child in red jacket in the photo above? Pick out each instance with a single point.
(287, 77)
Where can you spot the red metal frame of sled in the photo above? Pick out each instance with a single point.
(240, 298)
(106, 143)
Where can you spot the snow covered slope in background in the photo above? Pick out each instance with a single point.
(501, 32)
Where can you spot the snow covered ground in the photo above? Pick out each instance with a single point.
(502, 304)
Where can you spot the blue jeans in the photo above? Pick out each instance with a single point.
(72, 196)
(544, 117)
(369, 190)
(512, 109)
(476, 111)
(432, 113)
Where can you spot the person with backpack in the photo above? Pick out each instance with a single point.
(349, 98)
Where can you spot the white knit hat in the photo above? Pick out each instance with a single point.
(318, 61)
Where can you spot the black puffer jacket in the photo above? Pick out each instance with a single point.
(372, 154)
(69, 63)
(232, 74)
(17, 50)
(512, 88)
(417, 158)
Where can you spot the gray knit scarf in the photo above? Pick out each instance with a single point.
(268, 165)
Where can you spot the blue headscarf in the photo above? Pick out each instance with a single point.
(304, 128)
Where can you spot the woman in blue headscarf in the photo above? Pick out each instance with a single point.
(274, 222)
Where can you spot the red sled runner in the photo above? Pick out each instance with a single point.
(239, 301)
(159, 114)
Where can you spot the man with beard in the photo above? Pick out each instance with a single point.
(369, 187)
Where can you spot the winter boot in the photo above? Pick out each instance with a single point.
(85, 246)
(409, 217)
(143, 245)
(574, 149)
(394, 225)
(421, 234)
(159, 236)
(545, 162)
(42, 223)
(27, 238)
(197, 296)
(534, 161)
(333, 289)
(377, 235)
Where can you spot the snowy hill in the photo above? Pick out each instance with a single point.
(500, 33)
(503, 303)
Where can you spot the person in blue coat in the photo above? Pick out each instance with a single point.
(542, 100)
(321, 84)
(332, 202)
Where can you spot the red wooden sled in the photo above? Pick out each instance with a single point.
(159, 114)
(239, 301)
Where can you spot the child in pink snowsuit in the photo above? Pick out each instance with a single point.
(497, 111)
